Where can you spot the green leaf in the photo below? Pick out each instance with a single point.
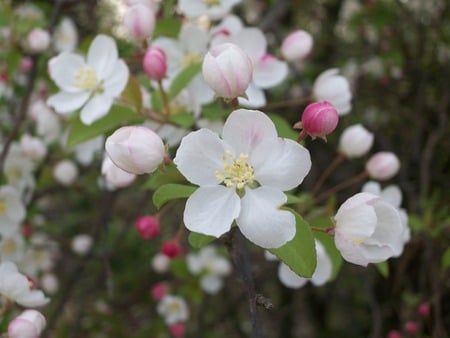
(169, 174)
(284, 129)
(157, 101)
(117, 116)
(183, 78)
(198, 241)
(292, 199)
(383, 268)
(132, 93)
(168, 27)
(214, 112)
(179, 268)
(446, 260)
(170, 192)
(184, 120)
(300, 253)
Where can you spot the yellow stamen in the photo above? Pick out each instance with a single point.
(86, 78)
(190, 58)
(2, 207)
(236, 172)
(211, 3)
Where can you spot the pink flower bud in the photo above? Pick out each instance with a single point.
(38, 40)
(155, 63)
(29, 324)
(147, 226)
(25, 64)
(383, 165)
(297, 45)
(159, 290)
(227, 70)
(177, 330)
(139, 20)
(394, 334)
(172, 249)
(319, 119)
(411, 327)
(135, 149)
(355, 141)
(424, 310)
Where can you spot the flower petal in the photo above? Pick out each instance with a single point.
(268, 71)
(245, 129)
(66, 102)
(280, 163)
(199, 157)
(324, 266)
(211, 210)
(289, 278)
(63, 68)
(261, 220)
(253, 42)
(116, 83)
(256, 97)
(102, 56)
(96, 108)
(357, 224)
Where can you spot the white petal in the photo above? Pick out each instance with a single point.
(96, 108)
(253, 42)
(33, 298)
(256, 97)
(393, 195)
(199, 156)
(280, 163)
(63, 68)
(350, 251)
(245, 129)
(102, 56)
(372, 187)
(289, 278)
(269, 71)
(65, 102)
(324, 267)
(389, 227)
(211, 284)
(211, 210)
(357, 224)
(116, 83)
(193, 39)
(261, 219)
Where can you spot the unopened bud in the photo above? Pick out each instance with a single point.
(383, 165)
(139, 20)
(297, 45)
(424, 310)
(155, 63)
(319, 119)
(172, 249)
(159, 290)
(147, 226)
(29, 324)
(177, 330)
(355, 141)
(411, 327)
(38, 40)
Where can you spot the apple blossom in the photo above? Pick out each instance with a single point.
(90, 84)
(155, 63)
(383, 165)
(16, 287)
(38, 40)
(33, 147)
(297, 45)
(12, 210)
(368, 229)
(139, 21)
(65, 172)
(173, 308)
(65, 37)
(114, 176)
(319, 119)
(29, 324)
(334, 88)
(49, 282)
(355, 141)
(242, 178)
(227, 70)
(321, 275)
(147, 226)
(214, 9)
(135, 149)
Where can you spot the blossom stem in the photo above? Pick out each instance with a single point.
(337, 160)
(239, 256)
(5, 307)
(353, 180)
(302, 136)
(164, 98)
(328, 230)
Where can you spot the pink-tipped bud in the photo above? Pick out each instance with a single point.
(29, 324)
(139, 20)
(411, 327)
(177, 330)
(394, 334)
(147, 226)
(355, 141)
(424, 310)
(383, 165)
(172, 249)
(38, 40)
(227, 69)
(25, 64)
(319, 119)
(297, 45)
(135, 149)
(159, 290)
(155, 63)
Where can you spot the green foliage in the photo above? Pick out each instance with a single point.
(383, 268)
(117, 116)
(185, 120)
(445, 264)
(183, 78)
(284, 129)
(132, 94)
(198, 241)
(170, 192)
(168, 27)
(168, 174)
(300, 253)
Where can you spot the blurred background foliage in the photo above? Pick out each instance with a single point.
(396, 55)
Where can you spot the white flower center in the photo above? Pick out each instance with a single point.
(86, 78)
(9, 246)
(236, 172)
(2, 207)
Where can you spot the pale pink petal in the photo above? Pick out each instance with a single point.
(102, 56)
(245, 129)
(280, 163)
(63, 68)
(95, 109)
(116, 83)
(393, 195)
(357, 224)
(268, 71)
(256, 98)
(262, 221)
(253, 42)
(211, 210)
(65, 102)
(33, 298)
(389, 226)
(350, 251)
(200, 156)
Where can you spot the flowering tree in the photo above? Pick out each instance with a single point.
(158, 158)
